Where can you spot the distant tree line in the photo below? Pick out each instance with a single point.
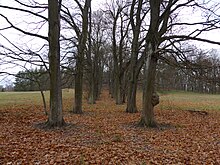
(198, 72)
(38, 79)
(29, 80)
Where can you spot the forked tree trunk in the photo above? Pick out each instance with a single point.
(150, 99)
(55, 115)
(133, 72)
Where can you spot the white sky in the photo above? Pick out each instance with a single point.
(191, 15)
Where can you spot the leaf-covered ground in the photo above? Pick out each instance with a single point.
(105, 134)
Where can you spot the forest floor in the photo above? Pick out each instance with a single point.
(105, 134)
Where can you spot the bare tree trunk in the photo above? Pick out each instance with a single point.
(80, 60)
(91, 98)
(98, 80)
(117, 89)
(133, 72)
(112, 81)
(150, 98)
(56, 115)
(132, 90)
(91, 64)
(44, 102)
(124, 87)
(78, 85)
(43, 98)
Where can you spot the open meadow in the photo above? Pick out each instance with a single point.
(189, 131)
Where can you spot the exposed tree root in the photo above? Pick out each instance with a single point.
(149, 124)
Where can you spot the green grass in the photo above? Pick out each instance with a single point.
(189, 100)
(173, 100)
(27, 98)
(8, 98)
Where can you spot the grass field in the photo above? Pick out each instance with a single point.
(27, 98)
(173, 100)
(179, 100)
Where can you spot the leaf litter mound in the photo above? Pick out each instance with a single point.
(105, 134)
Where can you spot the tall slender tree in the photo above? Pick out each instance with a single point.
(80, 26)
(80, 58)
(136, 19)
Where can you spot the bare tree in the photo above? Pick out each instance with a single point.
(118, 12)
(56, 112)
(161, 13)
(25, 56)
(18, 54)
(137, 16)
(81, 31)
(95, 55)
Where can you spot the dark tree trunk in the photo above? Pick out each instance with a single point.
(92, 93)
(91, 65)
(56, 115)
(78, 86)
(80, 60)
(99, 79)
(131, 98)
(111, 82)
(44, 101)
(150, 99)
(133, 71)
(116, 71)
(117, 89)
(124, 87)
(95, 76)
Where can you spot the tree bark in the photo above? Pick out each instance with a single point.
(117, 89)
(133, 72)
(132, 90)
(131, 98)
(78, 85)
(150, 98)
(56, 114)
(91, 98)
(91, 65)
(80, 60)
